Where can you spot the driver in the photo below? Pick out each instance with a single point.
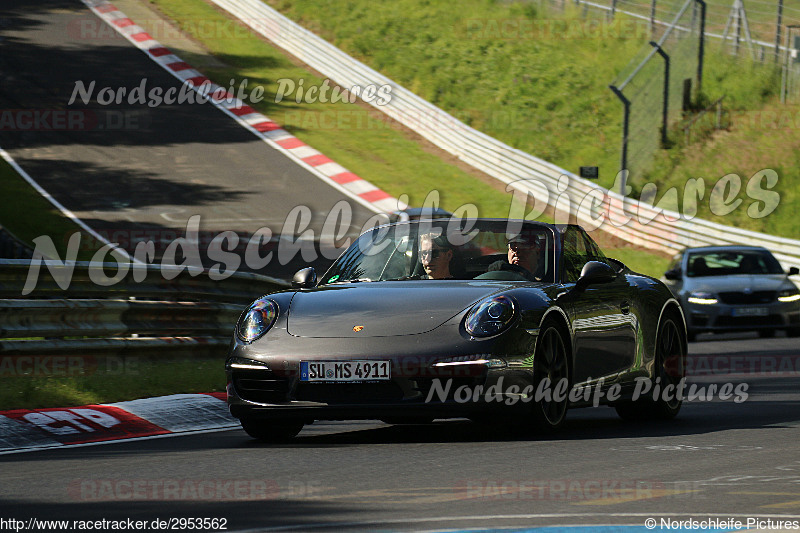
(523, 258)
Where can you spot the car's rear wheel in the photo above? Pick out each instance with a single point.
(551, 368)
(668, 372)
(272, 430)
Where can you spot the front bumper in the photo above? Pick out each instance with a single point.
(721, 317)
(457, 393)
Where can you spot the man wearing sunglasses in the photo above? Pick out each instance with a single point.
(523, 259)
(435, 254)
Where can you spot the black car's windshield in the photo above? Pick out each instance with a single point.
(727, 263)
(448, 249)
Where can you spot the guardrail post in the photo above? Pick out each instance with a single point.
(625, 129)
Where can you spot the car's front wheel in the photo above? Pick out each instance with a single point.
(551, 378)
(668, 373)
(271, 430)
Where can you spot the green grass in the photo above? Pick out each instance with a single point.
(29, 215)
(111, 381)
(546, 92)
(361, 139)
(355, 137)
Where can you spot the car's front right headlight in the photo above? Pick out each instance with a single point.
(789, 295)
(257, 320)
(702, 298)
(490, 317)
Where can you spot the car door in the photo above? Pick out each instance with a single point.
(603, 325)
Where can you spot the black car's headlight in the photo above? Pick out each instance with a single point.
(702, 298)
(490, 317)
(257, 320)
(788, 295)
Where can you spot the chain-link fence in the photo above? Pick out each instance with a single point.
(755, 29)
(659, 85)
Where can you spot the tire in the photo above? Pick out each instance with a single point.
(272, 431)
(550, 362)
(668, 369)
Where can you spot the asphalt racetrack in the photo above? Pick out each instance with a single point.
(718, 459)
(124, 169)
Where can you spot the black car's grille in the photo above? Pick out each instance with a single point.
(350, 393)
(745, 321)
(743, 298)
(260, 386)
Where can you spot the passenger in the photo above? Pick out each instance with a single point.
(435, 254)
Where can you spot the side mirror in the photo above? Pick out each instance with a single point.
(793, 271)
(304, 278)
(673, 275)
(618, 265)
(595, 272)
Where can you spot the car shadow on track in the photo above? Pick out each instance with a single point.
(581, 424)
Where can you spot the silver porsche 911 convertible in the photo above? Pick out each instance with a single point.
(488, 319)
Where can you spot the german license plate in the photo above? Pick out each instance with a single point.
(750, 311)
(345, 371)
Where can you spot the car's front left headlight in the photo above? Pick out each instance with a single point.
(257, 320)
(789, 295)
(702, 298)
(490, 317)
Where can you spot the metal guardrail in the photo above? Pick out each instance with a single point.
(142, 314)
(665, 231)
(12, 247)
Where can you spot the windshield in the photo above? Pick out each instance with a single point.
(726, 263)
(448, 249)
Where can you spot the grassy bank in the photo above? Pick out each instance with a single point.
(28, 215)
(104, 380)
(538, 79)
(360, 138)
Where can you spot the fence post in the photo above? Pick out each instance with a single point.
(613, 9)
(778, 31)
(653, 18)
(701, 49)
(665, 107)
(625, 129)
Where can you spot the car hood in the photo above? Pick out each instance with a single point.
(739, 282)
(383, 309)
